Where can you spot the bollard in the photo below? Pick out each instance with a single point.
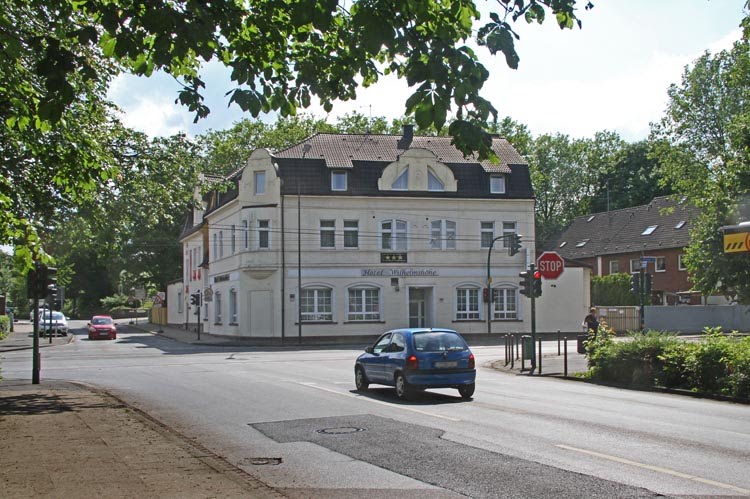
(517, 356)
(558, 342)
(565, 360)
(540, 356)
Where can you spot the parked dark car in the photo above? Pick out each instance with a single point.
(102, 326)
(415, 359)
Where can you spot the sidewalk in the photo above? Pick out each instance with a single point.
(22, 338)
(64, 440)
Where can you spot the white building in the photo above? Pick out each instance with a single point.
(357, 234)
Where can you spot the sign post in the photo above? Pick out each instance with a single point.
(550, 264)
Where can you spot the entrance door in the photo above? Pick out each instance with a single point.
(417, 308)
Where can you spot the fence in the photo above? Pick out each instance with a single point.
(621, 319)
(159, 315)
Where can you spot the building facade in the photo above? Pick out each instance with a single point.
(346, 235)
(651, 237)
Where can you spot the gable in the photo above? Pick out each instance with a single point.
(413, 170)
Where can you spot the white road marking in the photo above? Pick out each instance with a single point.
(359, 397)
(657, 469)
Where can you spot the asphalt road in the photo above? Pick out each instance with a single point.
(292, 418)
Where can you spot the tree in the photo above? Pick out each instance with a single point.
(702, 144)
(58, 59)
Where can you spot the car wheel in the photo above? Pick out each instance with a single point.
(360, 380)
(403, 390)
(466, 391)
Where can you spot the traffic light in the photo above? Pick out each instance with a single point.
(32, 280)
(195, 299)
(537, 284)
(487, 295)
(647, 284)
(515, 244)
(635, 284)
(50, 282)
(525, 283)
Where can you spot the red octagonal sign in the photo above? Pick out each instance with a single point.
(550, 264)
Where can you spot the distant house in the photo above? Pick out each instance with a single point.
(620, 240)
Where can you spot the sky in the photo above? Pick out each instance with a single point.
(613, 74)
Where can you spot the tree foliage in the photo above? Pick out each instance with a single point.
(703, 145)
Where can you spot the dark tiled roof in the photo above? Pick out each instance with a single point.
(622, 231)
(341, 150)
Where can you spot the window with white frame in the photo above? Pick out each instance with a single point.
(497, 184)
(443, 234)
(487, 233)
(434, 183)
(260, 182)
(316, 304)
(402, 181)
(393, 235)
(216, 246)
(660, 265)
(363, 304)
(245, 235)
(338, 181)
(233, 306)
(504, 303)
(180, 304)
(614, 267)
(217, 307)
(680, 263)
(508, 228)
(351, 233)
(233, 243)
(264, 234)
(221, 244)
(467, 303)
(635, 265)
(328, 233)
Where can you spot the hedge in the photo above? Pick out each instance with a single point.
(4, 326)
(716, 364)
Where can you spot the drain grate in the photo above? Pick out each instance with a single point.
(343, 430)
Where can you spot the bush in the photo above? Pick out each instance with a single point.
(4, 326)
(717, 364)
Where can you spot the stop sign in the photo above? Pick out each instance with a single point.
(550, 264)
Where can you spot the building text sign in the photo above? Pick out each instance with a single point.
(399, 272)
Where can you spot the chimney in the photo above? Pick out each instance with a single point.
(406, 137)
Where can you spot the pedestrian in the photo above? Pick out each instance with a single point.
(590, 322)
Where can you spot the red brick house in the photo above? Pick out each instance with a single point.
(616, 241)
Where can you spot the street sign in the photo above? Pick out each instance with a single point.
(550, 264)
(737, 242)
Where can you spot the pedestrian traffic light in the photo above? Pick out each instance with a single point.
(515, 244)
(537, 284)
(525, 283)
(635, 284)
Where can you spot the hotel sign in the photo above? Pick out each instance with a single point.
(400, 272)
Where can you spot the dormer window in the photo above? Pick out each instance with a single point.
(649, 230)
(497, 184)
(433, 183)
(338, 181)
(402, 181)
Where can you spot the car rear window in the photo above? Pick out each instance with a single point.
(438, 341)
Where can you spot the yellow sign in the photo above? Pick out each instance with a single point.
(738, 242)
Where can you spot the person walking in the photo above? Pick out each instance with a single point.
(590, 322)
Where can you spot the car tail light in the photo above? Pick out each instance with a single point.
(471, 361)
(412, 362)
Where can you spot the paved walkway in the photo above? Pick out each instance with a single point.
(63, 439)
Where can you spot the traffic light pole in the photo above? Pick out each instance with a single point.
(532, 269)
(35, 351)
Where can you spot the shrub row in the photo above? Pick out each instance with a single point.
(4, 326)
(717, 364)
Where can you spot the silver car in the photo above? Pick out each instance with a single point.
(58, 325)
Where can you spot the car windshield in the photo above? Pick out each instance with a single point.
(56, 316)
(438, 341)
(101, 321)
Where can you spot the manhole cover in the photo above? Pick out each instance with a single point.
(340, 430)
(260, 461)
